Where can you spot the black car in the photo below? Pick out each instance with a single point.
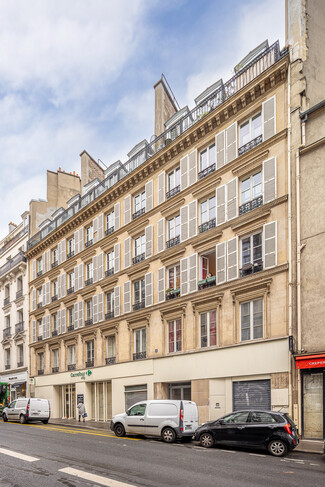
(272, 431)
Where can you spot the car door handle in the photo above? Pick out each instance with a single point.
(240, 427)
(141, 419)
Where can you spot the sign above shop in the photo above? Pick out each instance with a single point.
(82, 375)
(310, 361)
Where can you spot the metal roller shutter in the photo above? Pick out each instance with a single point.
(252, 394)
(134, 394)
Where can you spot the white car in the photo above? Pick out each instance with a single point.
(27, 409)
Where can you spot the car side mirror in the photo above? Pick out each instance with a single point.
(221, 421)
(128, 412)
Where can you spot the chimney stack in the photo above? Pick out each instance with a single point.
(165, 106)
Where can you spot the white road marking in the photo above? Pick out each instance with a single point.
(315, 464)
(292, 460)
(227, 451)
(257, 455)
(21, 456)
(98, 479)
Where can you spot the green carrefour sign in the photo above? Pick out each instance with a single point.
(82, 375)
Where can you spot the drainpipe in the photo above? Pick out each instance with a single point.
(289, 236)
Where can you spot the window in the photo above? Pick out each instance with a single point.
(173, 182)
(251, 319)
(7, 291)
(70, 319)
(55, 359)
(251, 188)
(20, 355)
(175, 336)
(109, 222)
(7, 358)
(260, 417)
(89, 273)
(208, 328)
(39, 297)
(110, 349)
(54, 257)
(140, 345)
(71, 247)
(139, 203)
(41, 361)
(89, 235)
(110, 263)
(55, 288)
(40, 329)
(7, 321)
(251, 254)
(207, 157)
(138, 410)
(181, 391)
(54, 324)
(89, 310)
(174, 227)
(208, 210)
(250, 129)
(19, 284)
(109, 305)
(173, 275)
(70, 282)
(139, 245)
(40, 266)
(139, 294)
(90, 353)
(20, 316)
(72, 354)
(236, 417)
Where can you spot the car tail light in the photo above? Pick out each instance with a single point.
(287, 427)
(181, 415)
(27, 410)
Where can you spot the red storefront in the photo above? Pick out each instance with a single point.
(312, 370)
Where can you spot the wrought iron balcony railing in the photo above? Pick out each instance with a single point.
(250, 145)
(108, 231)
(208, 282)
(89, 322)
(72, 367)
(70, 327)
(173, 241)
(251, 205)
(39, 305)
(39, 273)
(7, 366)
(251, 268)
(40, 338)
(109, 272)
(90, 363)
(207, 225)
(173, 293)
(54, 333)
(54, 298)
(55, 264)
(19, 294)
(110, 360)
(173, 191)
(55, 370)
(20, 364)
(88, 282)
(109, 315)
(89, 243)
(70, 254)
(139, 355)
(70, 290)
(12, 263)
(19, 327)
(139, 305)
(7, 332)
(40, 372)
(139, 258)
(208, 170)
(6, 301)
(138, 213)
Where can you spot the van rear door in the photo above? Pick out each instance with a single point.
(39, 408)
(190, 417)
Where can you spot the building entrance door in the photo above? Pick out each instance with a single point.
(313, 405)
(101, 401)
(68, 401)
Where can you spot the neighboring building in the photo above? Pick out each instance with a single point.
(14, 319)
(168, 276)
(306, 37)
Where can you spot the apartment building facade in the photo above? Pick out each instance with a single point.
(169, 277)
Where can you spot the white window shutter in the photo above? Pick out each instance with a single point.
(95, 228)
(100, 229)
(269, 180)
(34, 270)
(100, 307)
(232, 259)
(149, 195)
(80, 276)
(76, 315)
(41, 331)
(95, 308)
(192, 167)
(231, 142)
(43, 294)
(76, 278)
(192, 273)
(184, 276)
(270, 244)
(161, 187)
(149, 240)
(81, 240)
(63, 285)
(44, 263)
(100, 263)
(48, 326)
(221, 262)
(34, 331)
(127, 252)
(220, 149)
(48, 260)
(95, 268)
(161, 285)
(184, 222)
(192, 219)
(127, 209)
(148, 289)
(63, 320)
(81, 314)
(117, 304)
(127, 297)
(33, 299)
(221, 204)
(232, 199)
(63, 250)
(268, 117)
(117, 217)
(161, 235)
(117, 252)
(58, 321)
(76, 242)
(184, 172)
(48, 293)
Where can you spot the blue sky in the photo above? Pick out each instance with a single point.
(79, 74)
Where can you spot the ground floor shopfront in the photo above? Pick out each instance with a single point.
(17, 384)
(254, 374)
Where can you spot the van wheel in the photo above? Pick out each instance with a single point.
(278, 448)
(4, 417)
(22, 419)
(119, 430)
(168, 435)
(45, 421)
(206, 440)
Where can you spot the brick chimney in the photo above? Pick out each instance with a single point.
(165, 106)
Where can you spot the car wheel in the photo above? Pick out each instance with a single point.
(4, 417)
(168, 435)
(119, 430)
(22, 419)
(278, 448)
(206, 440)
(45, 421)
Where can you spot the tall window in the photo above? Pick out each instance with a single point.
(251, 319)
(71, 280)
(175, 336)
(208, 328)
(55, 288)
(110, 262)
(54, 255)
(173, 179)
(19, 284)
(70, 317)
(208, 210)
(7, 321)
(89, 271)
(39, 296)
(139, 291)
(20, 316)
(110, 221)
(251, 188)
(55, 358)
(250, 129)
(139, 245)
(90, 352)
(174, 227)
(207, 157)
(41, 361)
(173, 275)
(71, 247)
(20, 355)
(7, 358)
(251, 249)
(110, 347)
(7, 291)
(140, 344)
(72, 354)
(54, 322)
(40, 266)
(140, 201)
(89, 234)
(110, 304)
(89, 310)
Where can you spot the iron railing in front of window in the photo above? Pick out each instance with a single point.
(12, 263)
(173, 293)
(139, 355)
(90, 363)
(89, 243)
(173, 191)
(54, 298)
(19, 327)
(54, 333)
(207, 282)
(7, 332)
(208, 170)
(70, 327)
(40, 372)
(250, 145)
(138, 213)
(251, 268)
(39, 273)
(251, 205)
(89, 322)
(70, 254)
(19, 294)
(109, 315)
(70, 290)
(20, 364)
(72, 367)
(88, 282)
(207, 225)
(55, 370)
(173, 241)
(108, 231)
(55, 264)
(110, 360)
(139, 305)
(40, 338)
(6, 301)
(109, 272)
(139, 258)
(39, 305)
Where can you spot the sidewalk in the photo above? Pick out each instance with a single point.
(306, 446)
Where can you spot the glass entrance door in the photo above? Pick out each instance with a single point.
(313, 404)
(101, 400)
(68, 401)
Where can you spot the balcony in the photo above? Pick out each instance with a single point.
(54, 333)
(89, 243)
(20, 364)
(70, 254)
(208, 170)
(139, 258)
(109, 272)
(139, 355)
(250, 145)
(40, 372)
(250, 268)
(89, 322)
(39, 305)
(138, 213)
(90, 363)
(70, 290)
(19, 327)
(7, 366)
(39, 273)
(89, 281)
(208, 282)
(173, 293)
(12, 263)
(173, 241)
(173, 191)
(207, 225)
(70, 327)
(54, 298)
(110, 360)
(139, 305)
(55, 370)
(6, 332)
(251, 205)
(72, 367)
(108, 231)
(109, 315)
(39, 338)
(55, 264)
(19, 294)
(6, 301)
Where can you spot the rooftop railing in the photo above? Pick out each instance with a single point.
(223, 93)
(14, 239)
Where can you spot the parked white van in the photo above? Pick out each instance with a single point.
(167, 419)
(27, 409)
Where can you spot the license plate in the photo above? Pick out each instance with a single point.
(188, 427)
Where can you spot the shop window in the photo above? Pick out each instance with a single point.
(174, 336)
(251, 319)
(180, 391)
(208, 328)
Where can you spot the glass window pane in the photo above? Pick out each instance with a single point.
(204, 211)
(203, 159)
(256, 126)
(212, 155)
(245, 190)
(177, 177)
(244, 134)
(212, 208)
(246, 250)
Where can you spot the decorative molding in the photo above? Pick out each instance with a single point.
(205, 186)
(174, 205)
(168, 258)
(137, 270)
(211, 238)
(138, 320)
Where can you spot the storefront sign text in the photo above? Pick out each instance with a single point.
(82, 375)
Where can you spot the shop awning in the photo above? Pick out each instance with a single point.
(310, 361)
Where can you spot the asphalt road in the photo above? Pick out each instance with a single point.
(64, 456)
